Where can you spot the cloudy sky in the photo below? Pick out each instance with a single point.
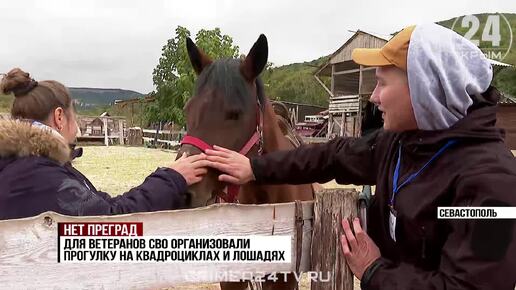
(116, 44)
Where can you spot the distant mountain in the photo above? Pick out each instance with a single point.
(295, 83)
(94, 97)
(89, 100)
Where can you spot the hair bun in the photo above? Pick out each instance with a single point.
(17, 82)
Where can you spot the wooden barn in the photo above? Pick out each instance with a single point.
(351, 84)
(102, 129)
(132, 110)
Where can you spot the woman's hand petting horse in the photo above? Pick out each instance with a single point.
(359, 250)
(236, 167)
(192, 168)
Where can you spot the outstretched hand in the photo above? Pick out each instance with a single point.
(359, 250)
(192, 168)
(236, 167)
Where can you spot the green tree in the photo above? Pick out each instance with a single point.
(505, 81)
(174, 76)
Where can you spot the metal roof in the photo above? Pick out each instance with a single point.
(499, 63)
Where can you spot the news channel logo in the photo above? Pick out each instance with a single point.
(492, 33)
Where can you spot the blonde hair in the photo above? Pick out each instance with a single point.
(34, 100)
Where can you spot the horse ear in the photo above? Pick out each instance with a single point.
(198, 58)
(256, 60)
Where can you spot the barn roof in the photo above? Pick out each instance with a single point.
(499, 63)
(507, 99)
(325, 69)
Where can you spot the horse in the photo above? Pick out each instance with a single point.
(229, 108)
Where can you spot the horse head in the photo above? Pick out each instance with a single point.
(225, 110)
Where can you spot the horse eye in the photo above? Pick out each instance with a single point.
(232, 115)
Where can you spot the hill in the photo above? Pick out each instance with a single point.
(505, 81)
(91, 101)
(482, 34)
(88, 97)
(295, 83)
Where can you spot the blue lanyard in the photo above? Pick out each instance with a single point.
(395, 187)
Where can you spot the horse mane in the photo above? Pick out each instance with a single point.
(260, 90)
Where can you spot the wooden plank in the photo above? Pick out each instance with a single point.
(330, 124)
(28, 247)
(173, 143)
(100, 138)
(349, 97)
(348, 101)
(343, 125)
(121, 132)
(323, 85)
(312, 140)
(333, 80)
(106, 139)
(353, 71)
(153, 131)
(360, 90)
(343, 105)
(332, 205)
(338, 110)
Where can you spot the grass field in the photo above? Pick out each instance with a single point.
(116, 169)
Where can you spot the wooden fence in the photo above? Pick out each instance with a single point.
(162, 138)
(28, 247)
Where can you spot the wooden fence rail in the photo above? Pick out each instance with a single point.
(28, 247)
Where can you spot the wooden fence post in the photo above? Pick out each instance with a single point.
(121, 131)
(331, 206)
(106, 139)
(135, 136)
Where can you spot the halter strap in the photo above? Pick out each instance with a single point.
(194, 141)
(256, 138)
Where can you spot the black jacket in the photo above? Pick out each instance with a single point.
(429, 253)
(36, 176)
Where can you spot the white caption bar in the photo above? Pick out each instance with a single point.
(175, 249)
(508, 212)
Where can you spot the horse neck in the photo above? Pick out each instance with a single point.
(274, 140)
(273, 137)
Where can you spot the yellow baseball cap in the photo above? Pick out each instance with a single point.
(394, 52)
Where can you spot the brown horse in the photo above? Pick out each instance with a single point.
(229, 109)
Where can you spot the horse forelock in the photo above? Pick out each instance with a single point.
(223, 77)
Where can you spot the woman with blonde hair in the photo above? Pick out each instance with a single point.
(36, 173)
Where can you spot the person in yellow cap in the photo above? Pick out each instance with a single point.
(438, 147)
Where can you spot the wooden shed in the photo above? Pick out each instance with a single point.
(351, 84)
